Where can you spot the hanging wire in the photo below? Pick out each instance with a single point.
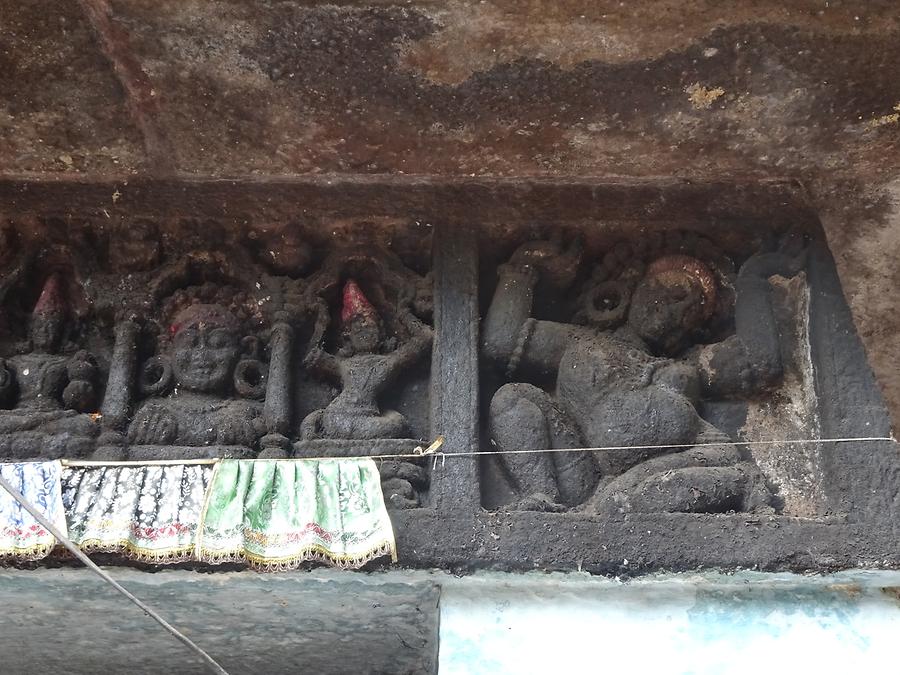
(432, 451)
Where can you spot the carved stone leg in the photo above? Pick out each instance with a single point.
(344, 424)
(707, 480)
(524, 417)
(311, 426)
(652, 415)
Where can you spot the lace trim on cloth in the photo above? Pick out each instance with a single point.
(22, 538)
(275, 515)
(144, 513)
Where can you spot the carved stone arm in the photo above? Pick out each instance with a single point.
(750, 361)
(419, 344)
(508, 312)
(320, 362)
(317, 360)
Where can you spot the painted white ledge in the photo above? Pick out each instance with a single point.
(709, 623)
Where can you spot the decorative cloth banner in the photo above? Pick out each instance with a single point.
(147, 513)
(21, 536)
(275, 515)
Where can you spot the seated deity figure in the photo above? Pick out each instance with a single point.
(637, 383)
(365, 365)
(203, 366)
(363, 371)
(47, 390)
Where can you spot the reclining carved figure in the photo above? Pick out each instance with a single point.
(633, 378)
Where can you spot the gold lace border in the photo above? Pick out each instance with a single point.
(313, 552)
(27, 553)
(128, 549)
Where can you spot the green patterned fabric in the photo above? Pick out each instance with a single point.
(275, 514)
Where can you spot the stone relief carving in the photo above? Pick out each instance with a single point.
(216, 381)
(213, 351)
(645, 344)
(210, 348)
(203, 388)
(48, 386)
(226, 326)
(370, 307)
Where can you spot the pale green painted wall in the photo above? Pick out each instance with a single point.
(743, 623)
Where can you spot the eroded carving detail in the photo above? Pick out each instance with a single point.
(201, 365)
(189, 386)
(373, 349)
(49, 387)
(630, 370)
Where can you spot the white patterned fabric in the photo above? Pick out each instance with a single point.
(21, 536)
(147, 513)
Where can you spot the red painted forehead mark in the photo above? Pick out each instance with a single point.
(202, 317)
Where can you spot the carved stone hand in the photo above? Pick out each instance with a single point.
(765, 265)
(79, 395)
(558, 265)
(156, 426)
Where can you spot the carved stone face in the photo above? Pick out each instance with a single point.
(673, 300)
(205, 348)
(363, 336)
(46, 332)
(666, 314)
(285, 252)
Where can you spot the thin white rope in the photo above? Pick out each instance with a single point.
(443, 455)
(65, 541)
(710, 444)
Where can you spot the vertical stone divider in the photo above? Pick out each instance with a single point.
(861, 478)
(119, 385)
(454, 367)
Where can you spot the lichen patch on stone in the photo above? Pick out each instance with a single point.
(703, 97)
(884, 120)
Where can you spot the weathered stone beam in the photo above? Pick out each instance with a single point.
(140, 95)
